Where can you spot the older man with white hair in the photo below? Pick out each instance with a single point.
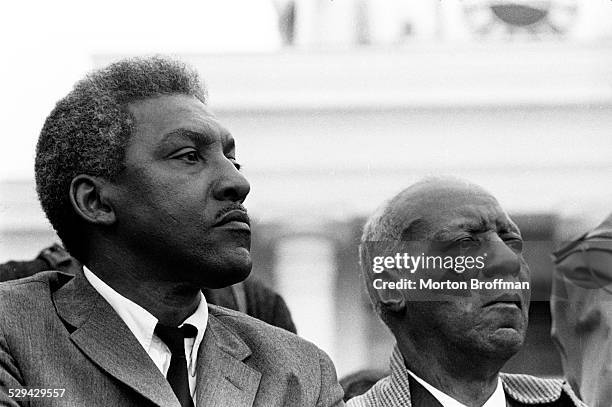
(452, 343)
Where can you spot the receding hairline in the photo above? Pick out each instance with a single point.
(413, 203)
(428, 187)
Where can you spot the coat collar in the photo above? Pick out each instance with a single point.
(99, 332)
(396, 389)
(531, 390)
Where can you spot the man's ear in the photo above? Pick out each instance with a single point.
(88, 195)
(390, 299)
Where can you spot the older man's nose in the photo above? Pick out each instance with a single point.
(501, 260)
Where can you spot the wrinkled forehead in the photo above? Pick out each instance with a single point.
(166, 112)
(428, 209)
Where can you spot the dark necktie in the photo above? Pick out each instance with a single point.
(177, 375)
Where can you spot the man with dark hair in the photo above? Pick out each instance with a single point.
(452, 341)
(142, 184)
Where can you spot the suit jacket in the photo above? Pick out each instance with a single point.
(56, 331)
(399, 389)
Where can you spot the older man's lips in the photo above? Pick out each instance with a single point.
(235, 219)
(505, 301)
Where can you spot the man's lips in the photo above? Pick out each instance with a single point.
(506, 299)
(234, 216)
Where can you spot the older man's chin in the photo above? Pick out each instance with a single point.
(504, 342)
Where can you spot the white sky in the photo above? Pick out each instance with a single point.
(47, 46)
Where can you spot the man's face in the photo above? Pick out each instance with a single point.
(178, 202)
(487, 322)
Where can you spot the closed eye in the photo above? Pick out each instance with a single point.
(514, 243)
(452, 244)
(468, 243)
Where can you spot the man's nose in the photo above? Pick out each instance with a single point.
(231, 184)
(501, 260)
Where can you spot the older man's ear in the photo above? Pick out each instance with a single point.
(393, 300)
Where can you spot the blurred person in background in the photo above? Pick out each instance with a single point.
(581, 309)
(142, 185)
(250, 296)
(451, 345)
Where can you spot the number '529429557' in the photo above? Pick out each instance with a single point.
(35, 393)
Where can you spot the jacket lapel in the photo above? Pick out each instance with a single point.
(223, 378)
(101, 334)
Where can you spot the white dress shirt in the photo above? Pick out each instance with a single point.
(142, 324)
(497, 399)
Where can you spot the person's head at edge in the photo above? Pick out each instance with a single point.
(141, 183)
(460, 344)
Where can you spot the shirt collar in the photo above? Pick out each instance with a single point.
(199, 319)
(443, 398)
(497, 399)
(400, 374)
(142, 323)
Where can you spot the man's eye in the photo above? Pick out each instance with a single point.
(514, 243)
(459, 244)
(466, 241)
(191, 156)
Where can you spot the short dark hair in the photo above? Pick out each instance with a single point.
(88, 130)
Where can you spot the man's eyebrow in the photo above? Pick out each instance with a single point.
(442, 235)
(445, 233)
(196, 137)
(507, 226)
(482, 226)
